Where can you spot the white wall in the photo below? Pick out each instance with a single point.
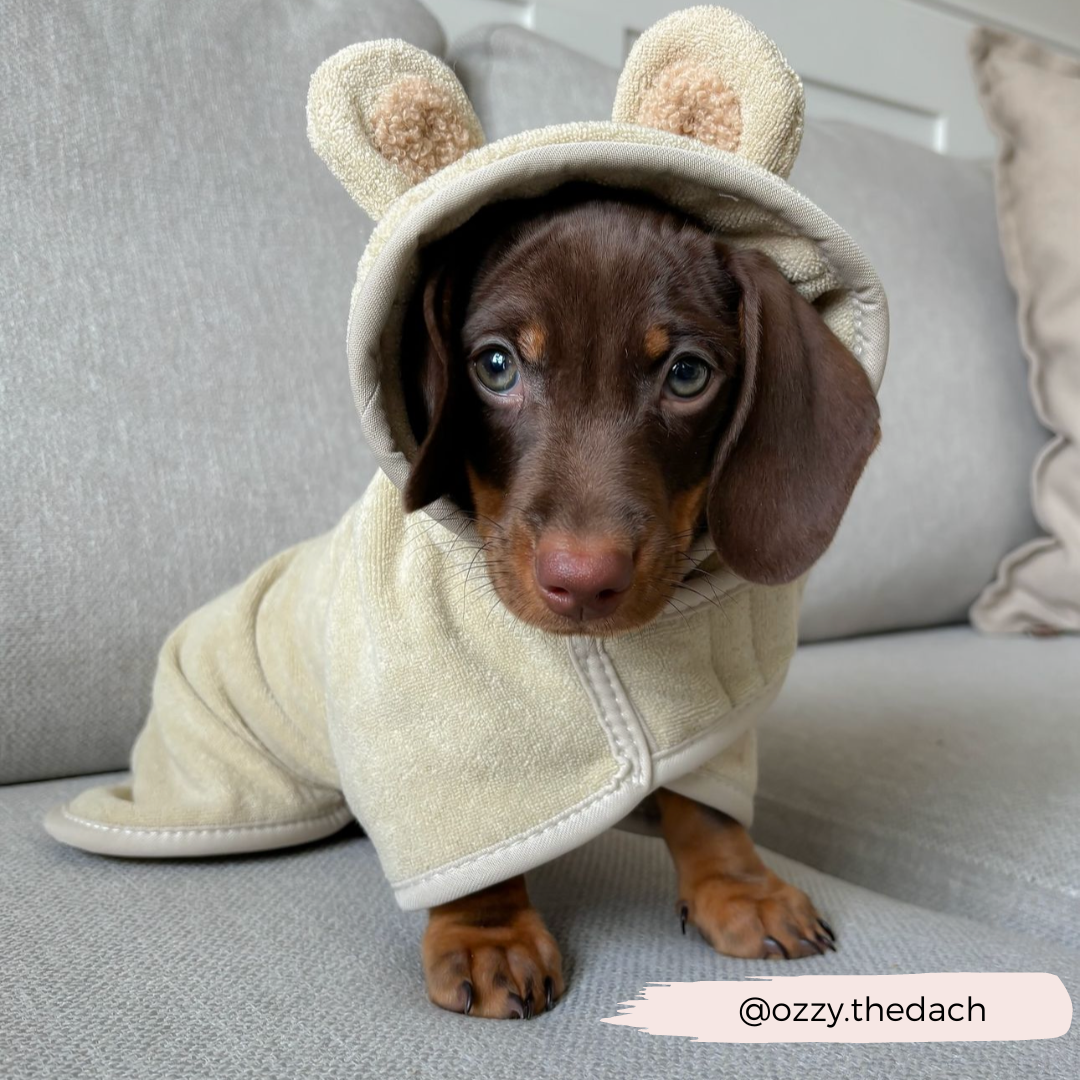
(897, 65)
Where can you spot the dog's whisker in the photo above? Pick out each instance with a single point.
(672, 601)
(465, 584)
(714, 600)
(712, 585)
(482, 587)
(429, 528)
(436, 546)
(708, 599)
(491, 610)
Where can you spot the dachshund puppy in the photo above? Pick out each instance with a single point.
(598, 380)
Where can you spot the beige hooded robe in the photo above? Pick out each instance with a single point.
(358, 673)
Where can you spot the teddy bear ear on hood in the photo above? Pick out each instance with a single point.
(385, 115)
(707, 73)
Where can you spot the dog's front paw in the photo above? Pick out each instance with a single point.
(510, 970)
(762, 917)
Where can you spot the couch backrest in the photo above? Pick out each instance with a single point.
(174, 402)
(173, 395)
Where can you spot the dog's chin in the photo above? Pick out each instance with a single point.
(529, 607)
(609, 626)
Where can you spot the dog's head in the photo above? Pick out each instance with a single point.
(595, 378)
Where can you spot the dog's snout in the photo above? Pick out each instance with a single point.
(581, 579)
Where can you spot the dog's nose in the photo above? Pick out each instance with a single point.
(583, 580)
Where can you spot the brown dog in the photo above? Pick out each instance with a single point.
(597, 379)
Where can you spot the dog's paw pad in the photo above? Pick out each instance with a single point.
(764, 918)
(511, 971)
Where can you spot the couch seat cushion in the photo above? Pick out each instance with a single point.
(300, 964)
(941, 767)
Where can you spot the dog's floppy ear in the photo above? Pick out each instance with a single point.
(431, 390)
(804, 425)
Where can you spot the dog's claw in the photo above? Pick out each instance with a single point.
(499, 969)
(774, 948)
(823, 940)
(684, 913)
(827, 928)
(549, 994)
(813, 945)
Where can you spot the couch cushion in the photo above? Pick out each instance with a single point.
(946, 494)
(174, 402)
(941, 767)
(300, 964)
(1032, 100)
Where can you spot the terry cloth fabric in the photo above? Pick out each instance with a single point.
(357, 673)
(471, 747)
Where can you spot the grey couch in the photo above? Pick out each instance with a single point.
(174, 408)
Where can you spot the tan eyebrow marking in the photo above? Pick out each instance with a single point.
(532, 340)
(657, 341)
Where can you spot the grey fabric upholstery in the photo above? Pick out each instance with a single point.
(946, 494)
(939, 767)
(300, 964)
(174, 401)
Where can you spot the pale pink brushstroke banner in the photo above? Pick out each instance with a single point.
(830, 1008)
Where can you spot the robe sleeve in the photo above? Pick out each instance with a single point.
(234, 755)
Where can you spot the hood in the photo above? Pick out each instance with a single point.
(707, 117)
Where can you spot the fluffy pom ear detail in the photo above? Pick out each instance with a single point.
(385, 115)
(689, 98)
(708, 74)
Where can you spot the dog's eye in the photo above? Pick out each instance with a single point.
(497, 371)
(687, 377)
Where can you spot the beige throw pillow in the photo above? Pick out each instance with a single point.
(1032, 101)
